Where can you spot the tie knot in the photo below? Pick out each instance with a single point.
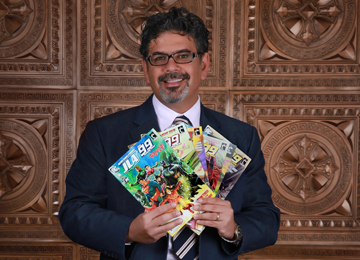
(182, 119)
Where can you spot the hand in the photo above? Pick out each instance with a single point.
(218, 214)
(149, 227)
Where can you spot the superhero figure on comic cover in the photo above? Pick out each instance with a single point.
(213, 173)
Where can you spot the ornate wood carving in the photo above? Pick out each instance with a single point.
(310, 149)
(114, 58)
(36, 150)
(97, 104)
(34, 41)
(9, 251)
(316, 40)
(88, 254)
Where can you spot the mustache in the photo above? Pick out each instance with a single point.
(173, 75)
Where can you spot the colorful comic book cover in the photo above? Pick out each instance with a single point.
(196, 135)
(237, 166)
(179, 139)
(155, 175)
(215, 151)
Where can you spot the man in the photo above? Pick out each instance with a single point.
(98, 212)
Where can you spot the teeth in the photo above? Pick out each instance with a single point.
(173, 80)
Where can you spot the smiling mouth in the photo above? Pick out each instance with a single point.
(173, 77)
(173, 80)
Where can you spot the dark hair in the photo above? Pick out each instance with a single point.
(177, 20)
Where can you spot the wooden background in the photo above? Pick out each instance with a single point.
(288, 67)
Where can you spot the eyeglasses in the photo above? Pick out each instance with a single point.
(181, 57)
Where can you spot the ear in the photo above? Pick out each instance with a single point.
(205, 65)
(146, 73)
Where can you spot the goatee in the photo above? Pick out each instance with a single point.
(174, 95)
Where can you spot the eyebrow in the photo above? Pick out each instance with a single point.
(161, 53)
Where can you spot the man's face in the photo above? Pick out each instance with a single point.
(176, 85)
(147, 168)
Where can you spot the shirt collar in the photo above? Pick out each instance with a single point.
(166, 116)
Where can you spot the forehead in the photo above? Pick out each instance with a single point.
(169, 43)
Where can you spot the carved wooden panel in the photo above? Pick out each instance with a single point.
(37, 41)
(311, 148)
(291, 44)
(88, 254)
(33, 251)
(98, 104)
(46, 251)
(36, 150)
(111, 37)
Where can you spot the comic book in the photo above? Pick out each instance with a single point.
(156, 175)
(215, 151)
(229, 154)
(179, 139)
(196, 135)
(237, 166)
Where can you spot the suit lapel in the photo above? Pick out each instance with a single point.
(145, 119)
(208, 117)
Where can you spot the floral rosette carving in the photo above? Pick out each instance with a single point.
(22, 28)
(14, 165)
(124, 21)
(309, 166)
(307, 29)
(23, 166)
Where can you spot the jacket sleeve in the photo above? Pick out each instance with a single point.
(83, 215)
(259, 218)
(252, 204)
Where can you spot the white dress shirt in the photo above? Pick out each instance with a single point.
(165, 117)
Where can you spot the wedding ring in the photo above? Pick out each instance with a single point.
(217, 217)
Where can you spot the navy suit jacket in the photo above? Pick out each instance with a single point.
(97, 210)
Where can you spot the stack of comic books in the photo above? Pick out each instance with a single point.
(181, 165)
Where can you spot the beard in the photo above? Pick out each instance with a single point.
(174, 94)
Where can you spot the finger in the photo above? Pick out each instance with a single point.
(213, 201)
(161, 230)
(209, 223)
(166, 217)
(161, 210)
(208, 216)
(170, 225)
(208, 220)
(210, 208)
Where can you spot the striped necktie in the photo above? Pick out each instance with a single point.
(185, 242)
(181, 119)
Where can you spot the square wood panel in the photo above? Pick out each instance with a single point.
(287, 44)
(37, 44)
(37, 149)
(311, 151)
(109, 40)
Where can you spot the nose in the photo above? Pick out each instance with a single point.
(171, 65)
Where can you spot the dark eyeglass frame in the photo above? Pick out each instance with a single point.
(173, 57)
